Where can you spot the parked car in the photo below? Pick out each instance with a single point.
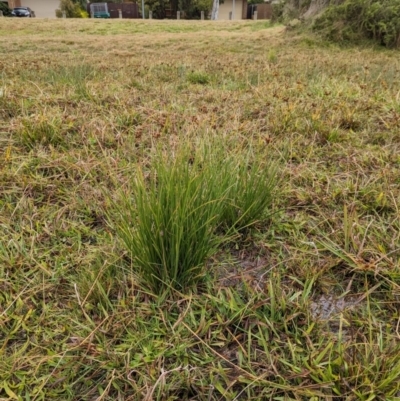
(22, 12)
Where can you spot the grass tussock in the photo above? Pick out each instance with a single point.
(196, 211)
(168, 220)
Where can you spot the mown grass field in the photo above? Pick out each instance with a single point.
(302, 305)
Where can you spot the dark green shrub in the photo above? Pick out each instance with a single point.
(5, 9)
(358, 20)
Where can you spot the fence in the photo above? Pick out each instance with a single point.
(129, 10)
(264, 11)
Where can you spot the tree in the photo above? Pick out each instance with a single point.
(191, 8)
(315, 7)
(81, 3)
(5, 9)
(71, 9)
(215, 9)
(158, 8)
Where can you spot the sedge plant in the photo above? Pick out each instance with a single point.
(169, 223)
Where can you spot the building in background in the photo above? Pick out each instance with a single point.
(232, 9)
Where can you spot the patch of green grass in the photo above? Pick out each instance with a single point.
(198, 77)
(41, 130)
(272, 57)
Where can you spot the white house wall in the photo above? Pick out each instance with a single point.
(42, 8)
(227, 6)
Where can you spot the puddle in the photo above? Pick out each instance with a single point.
(327, 307)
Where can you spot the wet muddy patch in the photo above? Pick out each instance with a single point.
(327, 307)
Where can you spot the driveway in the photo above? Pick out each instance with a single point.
(42, 8)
